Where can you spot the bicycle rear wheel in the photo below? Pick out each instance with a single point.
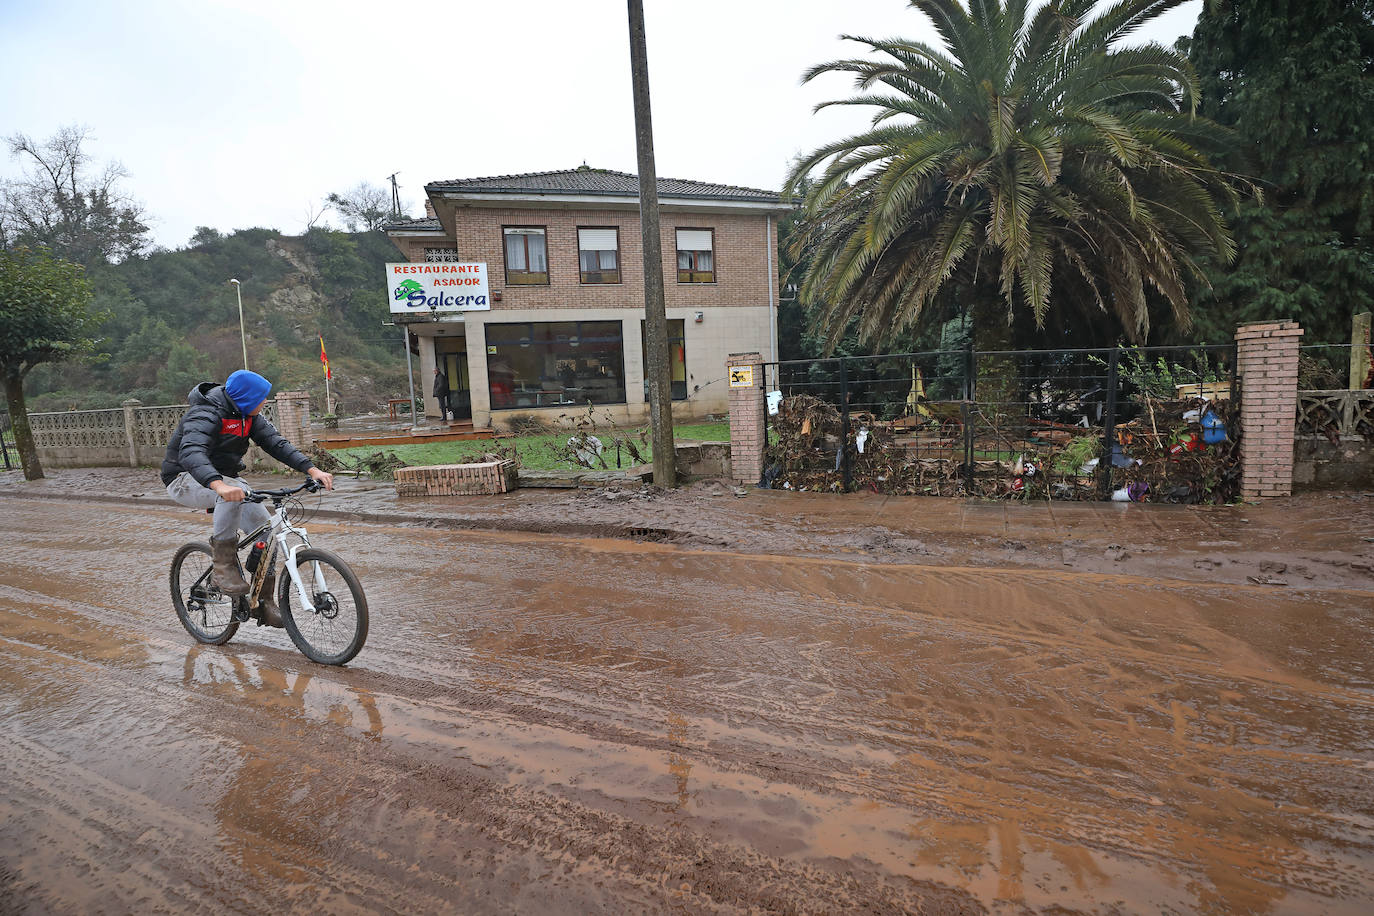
(336, 630)
(205, 611)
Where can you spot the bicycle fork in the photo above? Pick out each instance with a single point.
(307, 603)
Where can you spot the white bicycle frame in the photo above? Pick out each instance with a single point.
(280, 527)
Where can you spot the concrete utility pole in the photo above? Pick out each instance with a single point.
(655, 318)
(395, 196)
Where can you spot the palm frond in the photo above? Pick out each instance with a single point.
(1028, 153)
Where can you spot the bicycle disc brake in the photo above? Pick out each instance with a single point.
(326, 605)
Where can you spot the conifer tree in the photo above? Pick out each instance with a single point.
(1293, 78)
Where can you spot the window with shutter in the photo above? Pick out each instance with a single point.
(696, 261)
(598, 254)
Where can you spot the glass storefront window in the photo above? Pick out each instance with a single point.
(677, 356)
(555, 364)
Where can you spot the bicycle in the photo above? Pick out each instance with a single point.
(323, 607)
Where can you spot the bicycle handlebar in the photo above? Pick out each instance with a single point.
(257, 496)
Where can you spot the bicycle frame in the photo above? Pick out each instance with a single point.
(278, 528)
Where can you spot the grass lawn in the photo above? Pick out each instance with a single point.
(537, 451)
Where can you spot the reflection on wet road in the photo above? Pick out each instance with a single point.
(547, 724)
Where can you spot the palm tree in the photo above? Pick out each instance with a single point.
(1032, 160)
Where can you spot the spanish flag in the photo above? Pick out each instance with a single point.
(325, 359)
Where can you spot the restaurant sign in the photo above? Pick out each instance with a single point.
(445, 286)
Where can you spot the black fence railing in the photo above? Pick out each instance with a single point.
(5, 444)
(1132, 423)
(1324, 367)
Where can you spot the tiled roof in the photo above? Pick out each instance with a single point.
(587, 180)
(413, 225)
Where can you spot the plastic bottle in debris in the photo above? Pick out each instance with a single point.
(1213, 428)
(1131, 493)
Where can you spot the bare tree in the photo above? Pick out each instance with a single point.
(67, 203)
(363, 208)
(313, 214)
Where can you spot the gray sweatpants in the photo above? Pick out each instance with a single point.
(230, 518)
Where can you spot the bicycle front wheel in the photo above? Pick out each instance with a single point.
(205, 611)
(336, 629)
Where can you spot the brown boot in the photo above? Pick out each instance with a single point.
(227, 577)
(267, 601)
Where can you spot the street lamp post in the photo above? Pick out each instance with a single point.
(243, 338)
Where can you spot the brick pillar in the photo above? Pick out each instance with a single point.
(748, 414)
(131, 428)
(293, 417)
(1267, 361)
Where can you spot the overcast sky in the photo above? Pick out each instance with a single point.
(247, 113)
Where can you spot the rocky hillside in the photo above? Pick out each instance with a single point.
(173, 321)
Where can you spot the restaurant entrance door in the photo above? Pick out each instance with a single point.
(451, 353)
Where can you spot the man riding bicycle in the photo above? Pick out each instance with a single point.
(204, 458)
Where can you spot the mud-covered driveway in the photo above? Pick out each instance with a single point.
(544, 723)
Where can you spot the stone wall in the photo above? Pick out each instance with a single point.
(1333, 448)
(1322, 465)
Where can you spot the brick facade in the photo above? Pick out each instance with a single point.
(741, 257)
(736, 311)
(748, 421)
(1267, 361)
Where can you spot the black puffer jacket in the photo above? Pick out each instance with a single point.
(212, 438)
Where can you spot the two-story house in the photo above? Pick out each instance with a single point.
(564, 263)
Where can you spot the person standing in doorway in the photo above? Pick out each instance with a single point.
(441, 392)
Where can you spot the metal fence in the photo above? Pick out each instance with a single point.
(1058, 424)
(1324, 367)
(5, 443)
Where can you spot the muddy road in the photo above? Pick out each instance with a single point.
(556, 724)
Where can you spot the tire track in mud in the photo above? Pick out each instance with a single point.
(560, 834)
(534, 830)
(634, 695)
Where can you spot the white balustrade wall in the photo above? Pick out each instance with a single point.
(136, 436)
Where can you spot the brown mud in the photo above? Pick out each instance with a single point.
(774, 703)
(1321, 540)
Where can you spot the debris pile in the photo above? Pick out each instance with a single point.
(324, 459)
(378, 464)
(1181, 451)
(804, 454)
(805, 431)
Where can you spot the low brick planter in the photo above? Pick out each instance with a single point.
(483, 479)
